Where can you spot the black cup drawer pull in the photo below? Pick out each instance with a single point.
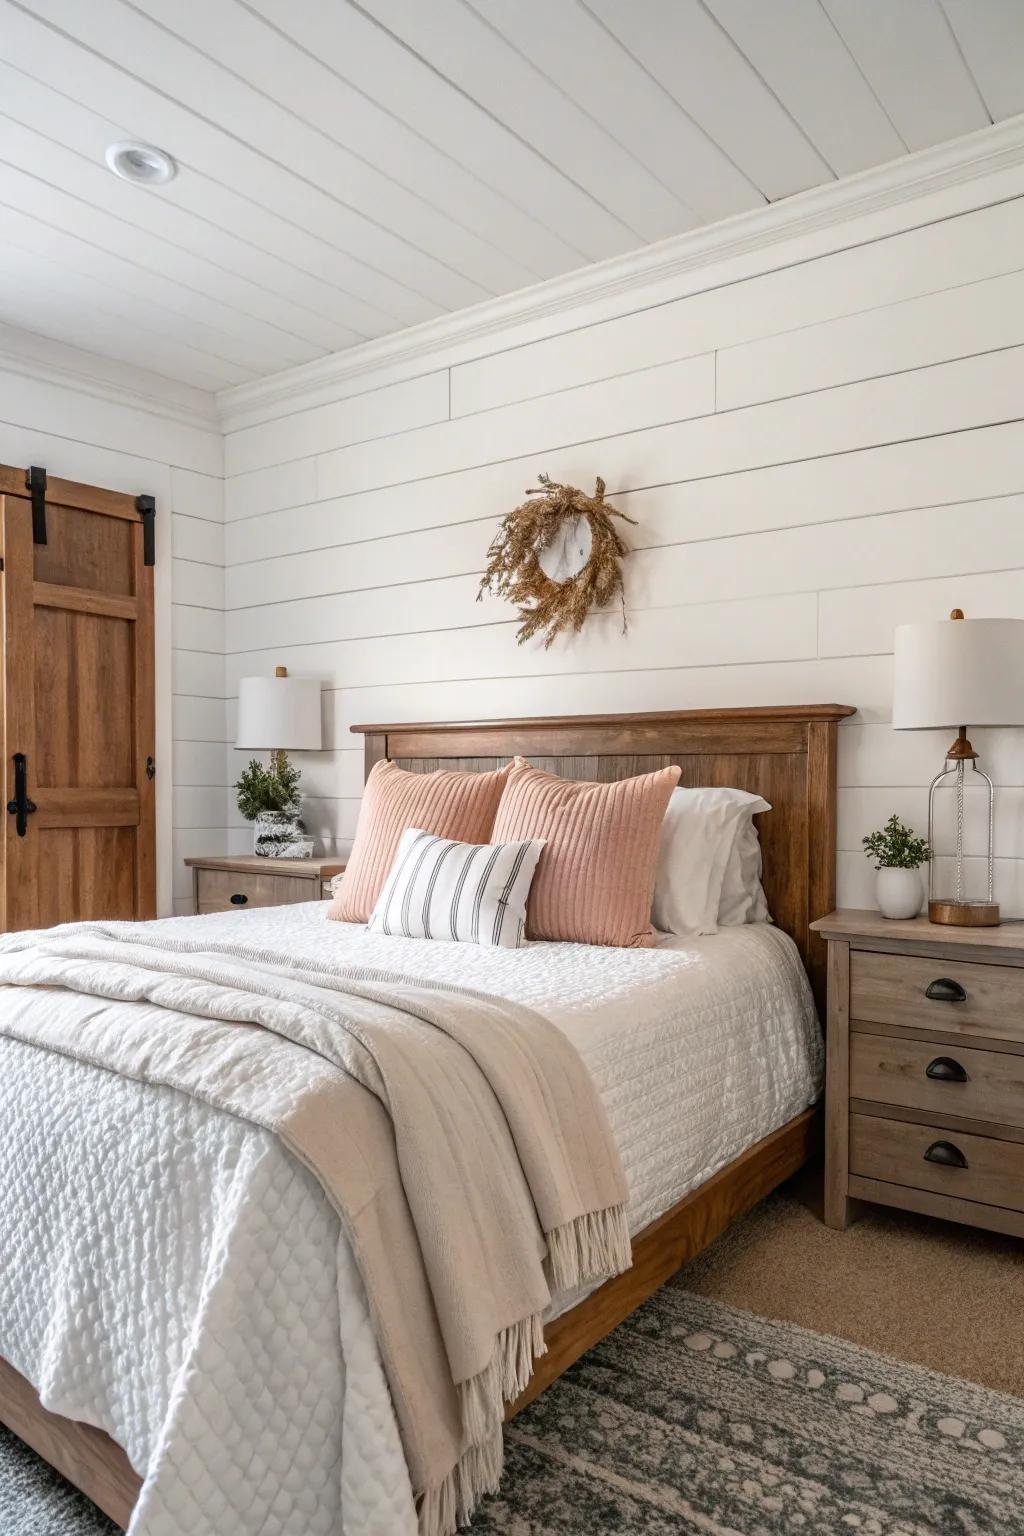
(945, 991)
(239, 900)
(944, 1153)
(945, 1070)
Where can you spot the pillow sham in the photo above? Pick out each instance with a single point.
(468, 893)
(595, 877)
(697, 838)
(743, 899)
(446, 803)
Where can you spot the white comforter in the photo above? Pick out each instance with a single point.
(173, 1275)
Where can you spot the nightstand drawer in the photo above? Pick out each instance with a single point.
(941, 1079)
(965, 998)
(220, 890)
(929, 1157)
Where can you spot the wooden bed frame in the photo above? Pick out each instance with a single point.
(788, 755)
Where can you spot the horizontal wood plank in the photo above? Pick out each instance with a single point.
(945, 1207)
(753, 714)
(48, 594)
(917, 934)
(783, 737)
(86, 807)
(950, 1122)
(976, 317)
(938, 1037)
(253, 864)
(382, 412)
(69, 493)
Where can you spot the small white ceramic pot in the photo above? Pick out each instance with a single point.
(899, 892)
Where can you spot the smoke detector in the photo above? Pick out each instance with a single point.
(142, 163)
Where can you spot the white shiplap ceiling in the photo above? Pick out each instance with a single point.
(349, 169)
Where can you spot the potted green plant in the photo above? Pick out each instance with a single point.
(899, 854)
(268, 796)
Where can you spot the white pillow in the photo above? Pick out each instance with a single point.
(743, 899)
(471, 893)
(697, 837)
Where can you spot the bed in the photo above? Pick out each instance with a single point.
(700, 1146)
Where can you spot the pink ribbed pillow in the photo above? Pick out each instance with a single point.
(450, 804)
(595, 878)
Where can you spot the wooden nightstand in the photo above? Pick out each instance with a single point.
(221, 885)
(924, 1087)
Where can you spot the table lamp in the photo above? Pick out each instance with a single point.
(278, 714)
(947, 673)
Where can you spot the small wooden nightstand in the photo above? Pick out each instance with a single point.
(221, 885)
(925, 1069)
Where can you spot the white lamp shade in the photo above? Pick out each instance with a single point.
(279, 714)
(957, 672)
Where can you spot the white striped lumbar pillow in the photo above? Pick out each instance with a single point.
(472, 893)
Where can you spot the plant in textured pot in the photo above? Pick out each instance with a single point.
(268, 796)
(899, 854)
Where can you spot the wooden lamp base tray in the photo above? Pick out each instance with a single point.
(964, 914)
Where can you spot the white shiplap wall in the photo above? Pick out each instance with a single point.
(811, 454)
(199, 707)
(86, 418)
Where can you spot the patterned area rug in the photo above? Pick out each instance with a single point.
(695, 1417)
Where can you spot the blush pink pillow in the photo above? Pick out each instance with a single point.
(450, 804)
(595, 879)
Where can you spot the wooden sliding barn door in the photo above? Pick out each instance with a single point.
(79, 833)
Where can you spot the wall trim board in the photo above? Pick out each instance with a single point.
(22, 352)
(936, 183)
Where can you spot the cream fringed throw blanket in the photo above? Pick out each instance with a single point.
(460, 1139)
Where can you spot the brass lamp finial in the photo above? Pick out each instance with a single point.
(283, 671)
(957, 613)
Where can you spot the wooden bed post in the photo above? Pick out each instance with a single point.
(375, 750)
(822, 793)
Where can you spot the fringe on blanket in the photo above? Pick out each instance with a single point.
(590, 1247)
(483, 1397)
(443, 1510)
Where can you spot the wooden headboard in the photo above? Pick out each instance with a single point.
(787, 754)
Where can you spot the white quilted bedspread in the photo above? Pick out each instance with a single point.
(173, 1275)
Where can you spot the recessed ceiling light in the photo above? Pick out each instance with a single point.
(143, 163)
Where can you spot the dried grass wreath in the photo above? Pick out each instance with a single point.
(514, 570)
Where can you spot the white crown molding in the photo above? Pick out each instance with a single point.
(615, 286)
(47, 361)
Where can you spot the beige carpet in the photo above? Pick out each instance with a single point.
(944, 1296)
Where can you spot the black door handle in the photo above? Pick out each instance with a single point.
(944, 1153)
(21, 807)
(945, 991)
(239, 900)
(945, 1070)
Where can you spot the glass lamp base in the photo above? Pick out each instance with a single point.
(964, 914)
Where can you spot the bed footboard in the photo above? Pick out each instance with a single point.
(85, 1456)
